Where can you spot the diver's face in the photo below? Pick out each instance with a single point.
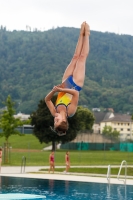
(57, 120)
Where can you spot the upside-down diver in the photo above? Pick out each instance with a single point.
(72, 82)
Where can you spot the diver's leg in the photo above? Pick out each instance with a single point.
(79, 71)
(70, 68)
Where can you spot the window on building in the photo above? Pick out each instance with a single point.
(115, 129)
(121, 123)
(128, 129)
(128, 124)
(118, 123)
(128, 134)
(121, 129)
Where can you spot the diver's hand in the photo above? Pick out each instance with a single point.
(57, 88)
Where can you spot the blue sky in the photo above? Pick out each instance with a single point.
(103, 15)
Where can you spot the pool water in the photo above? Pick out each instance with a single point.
(62, 190)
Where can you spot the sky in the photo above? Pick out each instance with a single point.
(115, 16)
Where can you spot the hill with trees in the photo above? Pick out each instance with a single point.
(31, 63)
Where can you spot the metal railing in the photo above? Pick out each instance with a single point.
(118, 176)
(23, 164)
(108, 173)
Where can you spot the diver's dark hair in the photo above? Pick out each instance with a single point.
(63, 127)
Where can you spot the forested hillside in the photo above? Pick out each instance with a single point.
(31, 63)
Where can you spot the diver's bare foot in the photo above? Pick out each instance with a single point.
(87, 29)
(82, 29)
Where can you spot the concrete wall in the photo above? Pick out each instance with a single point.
(91, 138)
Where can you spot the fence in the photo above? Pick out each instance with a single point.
(98, 142)
(99, 146)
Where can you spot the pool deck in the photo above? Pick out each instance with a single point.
(33, 172)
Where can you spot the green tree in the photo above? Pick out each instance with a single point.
(8, 124)
(85, 118)
(109, 132)
(41, 119)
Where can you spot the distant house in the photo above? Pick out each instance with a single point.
(22, 116)
(27, 129)
(120, 122)
(99, 117)
(96, 109)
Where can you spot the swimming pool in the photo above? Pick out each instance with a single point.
(61, 190)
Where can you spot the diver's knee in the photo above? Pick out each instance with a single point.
(83, 56)
(75, 57)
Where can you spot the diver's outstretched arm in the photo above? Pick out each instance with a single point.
(49, 103)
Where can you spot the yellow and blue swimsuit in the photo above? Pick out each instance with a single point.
(65, 98)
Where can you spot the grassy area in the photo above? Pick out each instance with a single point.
(78, 158)
(27, 141)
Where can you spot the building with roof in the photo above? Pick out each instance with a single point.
(99, 117)
(26, 128)
(119, 122)
(22, 116)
